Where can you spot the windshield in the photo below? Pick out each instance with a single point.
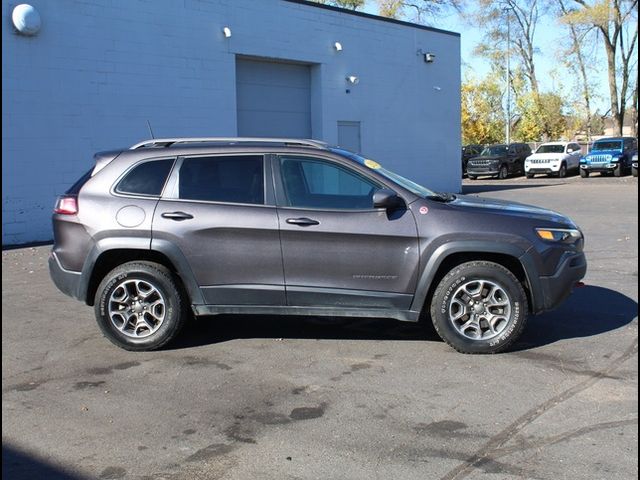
(413, 187)
(494, 150)
(611, 145)
(550, 149)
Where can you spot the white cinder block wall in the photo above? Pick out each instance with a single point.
(99, 69)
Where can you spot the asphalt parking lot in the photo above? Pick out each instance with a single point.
(308, 398)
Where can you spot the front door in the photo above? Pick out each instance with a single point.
(337, 249)
(215, 213)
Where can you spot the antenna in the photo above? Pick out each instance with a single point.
(150, 131)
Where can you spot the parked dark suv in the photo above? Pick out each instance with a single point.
(499, 161)
(279, 226)
(469, 151)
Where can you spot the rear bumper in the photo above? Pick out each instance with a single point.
(557, 287)
(68, 282)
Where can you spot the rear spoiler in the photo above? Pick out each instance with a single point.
(103, 159)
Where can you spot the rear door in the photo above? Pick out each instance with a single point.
(215, 211)
(337, 249)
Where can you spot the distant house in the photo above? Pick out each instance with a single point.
(627, 125)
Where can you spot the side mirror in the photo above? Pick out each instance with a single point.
(385, 198)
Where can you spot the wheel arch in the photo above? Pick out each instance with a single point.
(450, 255)
(104, 258)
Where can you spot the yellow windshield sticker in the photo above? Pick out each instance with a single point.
(371, 164)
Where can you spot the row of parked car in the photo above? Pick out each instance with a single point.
(608, 156)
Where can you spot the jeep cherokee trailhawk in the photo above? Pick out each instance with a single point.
(286, 226)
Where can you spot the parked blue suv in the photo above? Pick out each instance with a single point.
(609, 155)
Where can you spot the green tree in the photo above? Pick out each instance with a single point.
(482, 113)
(542, 117)
(349, 4)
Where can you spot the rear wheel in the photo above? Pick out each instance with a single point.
(139, 306)
(479, 307)
(584, 173)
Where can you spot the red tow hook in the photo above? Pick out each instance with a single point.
(579, 285)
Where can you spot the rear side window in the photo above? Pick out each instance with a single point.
(230, 179)
(147, 178)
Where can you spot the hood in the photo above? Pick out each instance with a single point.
(488, 157)
(502, 207)
(546, 156)
(603, 152)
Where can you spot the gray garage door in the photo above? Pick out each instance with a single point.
(273, 99)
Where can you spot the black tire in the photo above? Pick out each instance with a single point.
(617, 172)
(472, 177)
(166, 288)
(503, 172)
(584, 173)
(467, 273)
(563, 171)
(530, 175)
(634, 171)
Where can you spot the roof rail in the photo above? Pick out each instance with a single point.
(167, 142)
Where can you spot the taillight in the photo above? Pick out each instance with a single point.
(66, 205)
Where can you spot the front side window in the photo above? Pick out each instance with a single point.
(314, 183)
(230, 179)
(146, 178)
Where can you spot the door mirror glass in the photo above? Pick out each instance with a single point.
(384, 198)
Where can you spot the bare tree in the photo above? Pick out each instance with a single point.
(617, 23)
(578, 38)
(420, 11)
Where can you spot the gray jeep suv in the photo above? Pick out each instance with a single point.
(286, 226)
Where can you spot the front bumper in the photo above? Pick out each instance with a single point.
(557, 287)
(489, 170)
(541, 169)
(599, 167)
(68, 282)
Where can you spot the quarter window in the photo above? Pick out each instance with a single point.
(312, 183)
(231, 179)
(147, 178)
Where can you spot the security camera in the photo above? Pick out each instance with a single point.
(429, 57)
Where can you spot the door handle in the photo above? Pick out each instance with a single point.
(178, 216)
(303, 222)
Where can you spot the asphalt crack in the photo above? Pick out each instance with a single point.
(492, 447)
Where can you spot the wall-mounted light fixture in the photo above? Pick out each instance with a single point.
(429, 57)
(352, 79)
(226, 31)
(26, 20)
(337, 46)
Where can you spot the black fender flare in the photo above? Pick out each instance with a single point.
(436, 259)
(169, 250)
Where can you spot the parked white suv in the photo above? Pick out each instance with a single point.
(553, 158)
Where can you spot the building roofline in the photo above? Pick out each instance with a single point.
(372, 17)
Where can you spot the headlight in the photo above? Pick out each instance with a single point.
(562, 235)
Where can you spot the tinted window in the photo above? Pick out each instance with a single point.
(314, 183)
(550, 149)
(494, 150)
(147, 178)
(608, 145)
(232, 179)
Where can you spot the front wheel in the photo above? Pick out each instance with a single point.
(139, 306)
(584, 173)
(634, 171)
(529, 175)
(479, 307)
(503, 172)
(563, 171)
(617, 172)
(472, 177)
